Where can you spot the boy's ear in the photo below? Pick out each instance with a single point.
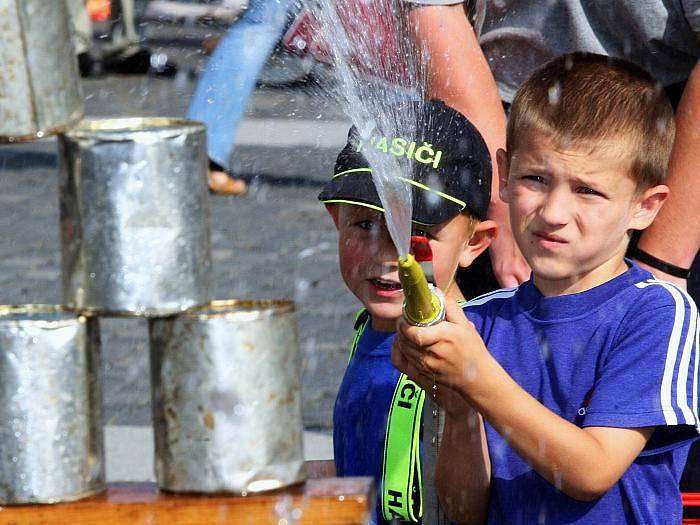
(503, 166)
(648, 206)
(334, 212)
(484, 234)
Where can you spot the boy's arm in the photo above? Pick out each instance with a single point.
(463, 469)
(674, 236)
(582, 462)
(457, 72)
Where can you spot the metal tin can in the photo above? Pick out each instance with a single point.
(226, 398)
(40, 90)
(51, 444)
(135, 216)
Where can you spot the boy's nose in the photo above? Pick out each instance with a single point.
(557, 207)
(383, 247)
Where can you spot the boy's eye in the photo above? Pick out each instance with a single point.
(589, 191)
(422, 233)
(367, 225)
(538, 179)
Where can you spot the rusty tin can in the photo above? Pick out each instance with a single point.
(226, 398)
(51, 442)
(135, 216)
(40, 90)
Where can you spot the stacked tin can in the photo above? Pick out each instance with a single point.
(50, 423)
(134, 212)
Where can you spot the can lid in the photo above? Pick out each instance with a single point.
(39, 312)
(130, 128)
(224, 308)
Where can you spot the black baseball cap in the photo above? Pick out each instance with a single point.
(449, 164)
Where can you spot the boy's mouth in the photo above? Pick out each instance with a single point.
(549, 237)
(384, 284)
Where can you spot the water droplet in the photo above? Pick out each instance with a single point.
(554, 93)
(661, 124)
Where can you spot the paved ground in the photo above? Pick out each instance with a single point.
(276, 242)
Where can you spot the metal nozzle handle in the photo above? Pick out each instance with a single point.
(422, 306)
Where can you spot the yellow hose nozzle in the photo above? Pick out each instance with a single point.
(422, 306)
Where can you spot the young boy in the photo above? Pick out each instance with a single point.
(451, 193)
(573, 398)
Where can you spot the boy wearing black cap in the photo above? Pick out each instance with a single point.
(450, 184)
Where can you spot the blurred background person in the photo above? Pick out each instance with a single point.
(223, 90)
(124, 53)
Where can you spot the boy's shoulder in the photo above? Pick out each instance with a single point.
(633, 298)
(647, 294)
(639, 284)
(653, 291)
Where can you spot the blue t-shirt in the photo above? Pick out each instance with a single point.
(623, 354)
(361, 410)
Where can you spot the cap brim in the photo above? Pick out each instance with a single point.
(358, 189)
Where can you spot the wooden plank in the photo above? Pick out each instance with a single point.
(324, 501)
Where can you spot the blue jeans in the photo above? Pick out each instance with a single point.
(229, 78)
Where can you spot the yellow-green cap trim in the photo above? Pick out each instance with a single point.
(354, 203)
(458, 202)
(354, 170)
(372, 207)
(446, 196)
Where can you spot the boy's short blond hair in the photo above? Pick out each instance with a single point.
(590, 101)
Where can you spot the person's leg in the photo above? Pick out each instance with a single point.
(82, 26)
(129, 24)
(125, 39)
(89, 63)
(125, 53)
(229, 78)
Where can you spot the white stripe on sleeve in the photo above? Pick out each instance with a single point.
(674, 345)
(682, 382)
(695, 376)
(498, 294)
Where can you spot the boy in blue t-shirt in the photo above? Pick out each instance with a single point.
(450, 179)
(573, 398)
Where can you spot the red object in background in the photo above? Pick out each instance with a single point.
(420, 247)
(369, 29)
(690, 500)
(99, 10)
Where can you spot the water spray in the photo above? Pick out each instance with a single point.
(422, 305)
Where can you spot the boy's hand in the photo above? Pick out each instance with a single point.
(446, 354)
